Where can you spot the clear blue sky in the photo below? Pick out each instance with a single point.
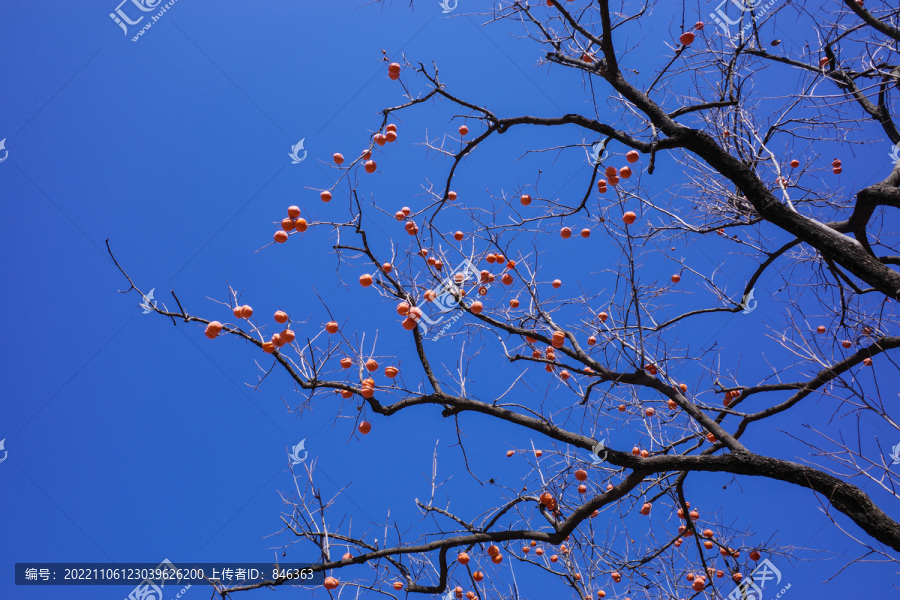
(131, 440)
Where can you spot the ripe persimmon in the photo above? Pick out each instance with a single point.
(603, 316)
(539, 453)
(513, 303)
(325, 196)
(686, 38)
(755, 555)
(370, 166)
(476, 308)
(477, 575)
(287, 224)
(390, 136)
(554, 558)
(458, 236)
(246, 312)
(365, 280)
(214, 327)
(391, 127)
(293, 211)
(280, 316)
(632, 156)
(451, 195)
(338, 158)
(462, 558)
(676, 278)
(300, 225)
(463, 130)
(346, 363)
(268, 347)
(629, 217)
(625, 172)
(497, 559)
(556, 283)
(281, 237)
(525, 199)
(585, 233)
(398, 585)
(565, 233)
(591, 341)
(509, 453)
(331, 327)
(330, 583)
(379, 139)
(645, 509)
(288, 336)
(371, 365)
(365, 427)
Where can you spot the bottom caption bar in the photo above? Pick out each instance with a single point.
(164, 574)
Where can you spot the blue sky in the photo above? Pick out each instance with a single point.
(132, 440)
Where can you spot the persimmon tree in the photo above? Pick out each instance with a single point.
(738, 118)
